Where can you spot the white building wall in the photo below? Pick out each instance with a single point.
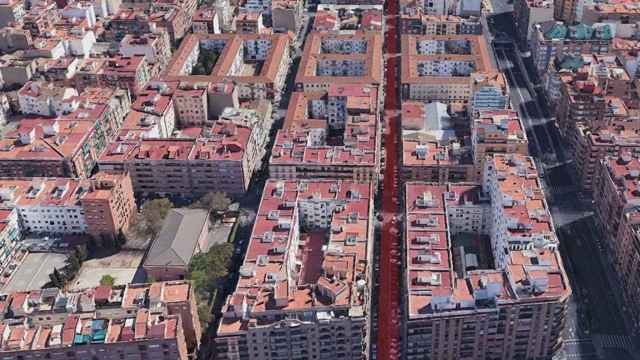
(67, 219)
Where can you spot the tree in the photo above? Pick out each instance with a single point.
(57, 280)
(204, 313)
(107, 280)
(214, 201)
(152, 214)
(73, 263)
(206, 270)
(121, 239)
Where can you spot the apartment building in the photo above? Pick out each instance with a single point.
(125, 72)
(249, 23)
(206, 20)
(67, 145)
(11, 251)
(340, 59)
(117, 104)
(257, 6)
(286, 15)
(582, 100)
(152, 106)
(101, 206)
(550, 39)
(347, 19)
(222, 159)
(432, 146)
(611, 12)
(616, 199)
(490, 92)
(440, 67)
(513, 310)
(496, 132)
(46, 99)
(527, 13)
(589, 146)
(305, 283)
(608, 71)
(109, 205)
(190, 102)
(127, 21)
(569, 11)
(156, 47)
(41, 17)
(16, 68)
(420, 24)
(49, 147)
(11, 12)
(141, 320)
(256, 64)
(329, 135)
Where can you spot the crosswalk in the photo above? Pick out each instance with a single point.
(621, 342)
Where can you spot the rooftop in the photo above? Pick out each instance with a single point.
(330, 245)
(231, 47)
(81, 325)
(56, 191)
(308, 137)
(426, 55)
(368, 51)
(432, 283)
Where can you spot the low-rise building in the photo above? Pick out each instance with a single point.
(184, 234)
(305, 281)
(329, 135)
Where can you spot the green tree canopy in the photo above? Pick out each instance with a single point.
(107, 280)
(152, 214)
(214, 201)
(207, 269)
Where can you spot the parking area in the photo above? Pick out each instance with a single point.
(33, 272)
(123, 267)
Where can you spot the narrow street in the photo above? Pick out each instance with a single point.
(389, 305)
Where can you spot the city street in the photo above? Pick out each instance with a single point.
(594, 326)
(544, 142)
